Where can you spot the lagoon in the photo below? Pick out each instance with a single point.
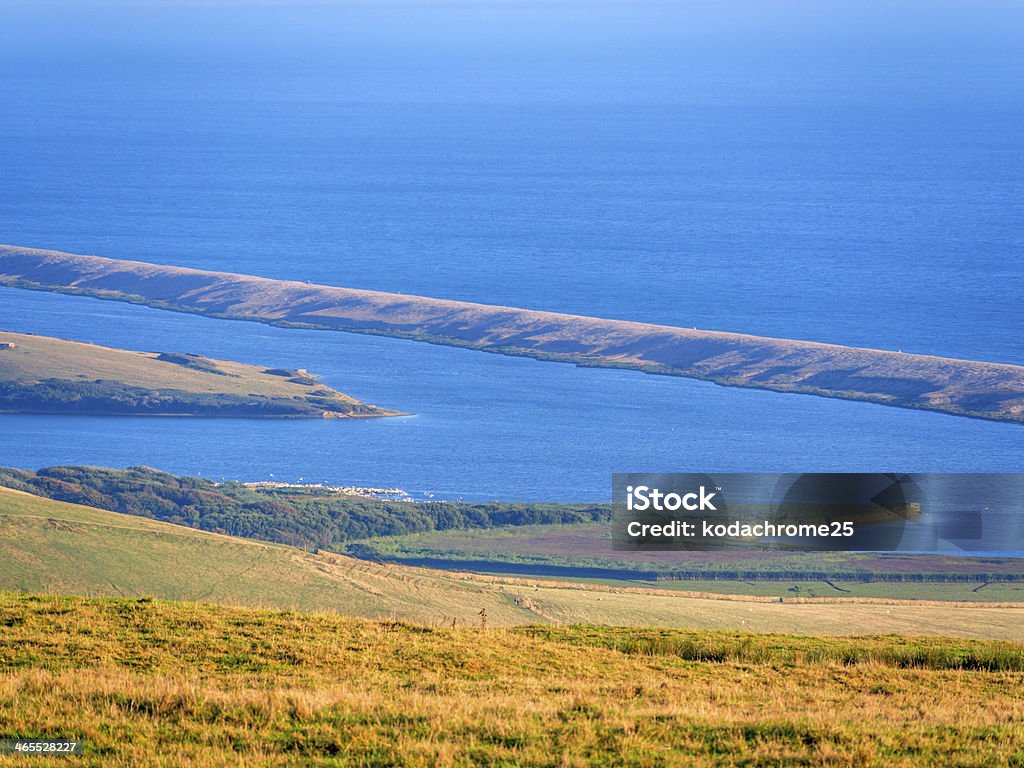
(484, 426)
(851, 178)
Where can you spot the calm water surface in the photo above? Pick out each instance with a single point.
(833, 172)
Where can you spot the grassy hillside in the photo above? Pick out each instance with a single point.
(152, 683)
(963, 387)
(42, 374)
(53, 547)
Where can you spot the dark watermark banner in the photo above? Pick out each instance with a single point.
(819, 511)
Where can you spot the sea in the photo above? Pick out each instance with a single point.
(835, 171)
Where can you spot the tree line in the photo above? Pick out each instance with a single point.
(111, 398)
(308, 517)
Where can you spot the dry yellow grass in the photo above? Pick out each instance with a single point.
(42, 357)
(145, 683)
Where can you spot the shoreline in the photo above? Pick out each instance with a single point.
(242, 417)
(45, 375)
(975, 389)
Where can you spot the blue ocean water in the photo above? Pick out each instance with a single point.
(823, 171)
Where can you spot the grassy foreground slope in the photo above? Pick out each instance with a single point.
(49, 546)
(963, 387)
(39, 374)
(151, 683)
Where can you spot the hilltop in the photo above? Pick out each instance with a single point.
(60, 548)
(962, 387)
(39, 374)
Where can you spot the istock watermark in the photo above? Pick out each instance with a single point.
(880, 512)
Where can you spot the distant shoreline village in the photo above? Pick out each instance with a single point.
(376, 494)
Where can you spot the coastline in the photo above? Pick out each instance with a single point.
(44, 375)
(990, 391)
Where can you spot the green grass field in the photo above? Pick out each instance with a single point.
(589, 545)
(53, 547)
(143, 682)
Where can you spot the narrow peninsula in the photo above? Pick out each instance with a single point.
(43, 375)
(961, 387)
